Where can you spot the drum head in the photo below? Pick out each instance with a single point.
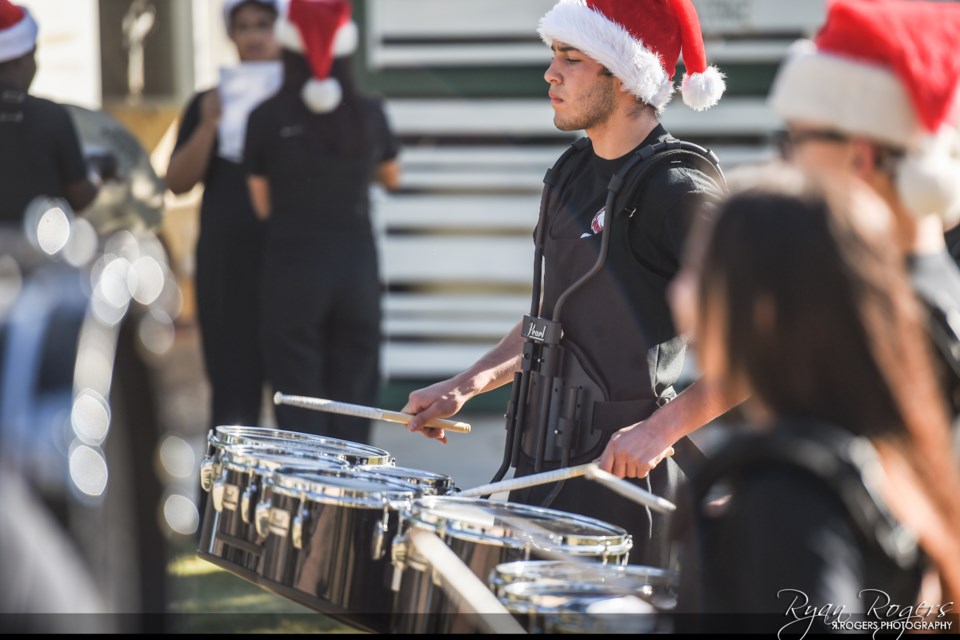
(353, 453)
(580, 607)
(518, 526)
(430, 483)
(347, 487)
(268, 457)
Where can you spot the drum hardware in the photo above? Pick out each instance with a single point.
(262, 518)
(359, 411)
(380, 532)
(216, 494)
(209, 469)
(248, 496)
(296, 533)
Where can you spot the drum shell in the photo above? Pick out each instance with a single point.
(226, 534)
(421, 605)
(343, 565)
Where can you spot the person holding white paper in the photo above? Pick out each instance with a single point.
(210, 150)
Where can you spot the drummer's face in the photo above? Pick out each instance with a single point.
(582, 92)
(251, 30)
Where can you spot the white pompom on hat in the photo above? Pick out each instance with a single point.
(640, 42)
(18, 31)
(886, 70)
(321, 30)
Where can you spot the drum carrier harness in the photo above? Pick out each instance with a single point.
(554, 401)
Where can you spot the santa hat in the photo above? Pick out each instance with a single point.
(18, 31)
(321, 30)
(229, 6)
(887, 70)
(640, 42)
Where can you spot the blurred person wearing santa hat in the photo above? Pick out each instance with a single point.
(40, 151)
(312, 152)
(874, 96)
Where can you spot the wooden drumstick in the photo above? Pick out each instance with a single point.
(591, 471)
(370, 413)
(535, 480)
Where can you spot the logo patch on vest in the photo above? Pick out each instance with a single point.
(596, 225)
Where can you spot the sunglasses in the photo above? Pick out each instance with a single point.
(786, 141)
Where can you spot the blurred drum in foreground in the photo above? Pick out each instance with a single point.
(485, 534)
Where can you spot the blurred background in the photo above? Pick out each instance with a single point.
(103, 400)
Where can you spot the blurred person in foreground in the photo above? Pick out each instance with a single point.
(612, 75)
(230, 246)
(312, 152)
(875, 96)
(843, 492)
(40, 152)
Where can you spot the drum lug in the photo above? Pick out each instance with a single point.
(217, 492)
(248, 495)
(208, 469)
(380, 534)
(261, 518)
(296, 531)
(398, 557)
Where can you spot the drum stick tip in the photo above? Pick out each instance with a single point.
(277, 398)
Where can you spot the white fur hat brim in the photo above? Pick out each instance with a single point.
(20, 39)
(576, 24)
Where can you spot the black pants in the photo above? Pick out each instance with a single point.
(228, 310)
(650, 530)
(321, 331)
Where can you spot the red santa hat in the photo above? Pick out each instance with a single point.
(18, 31)
(887, 70)
(640, 42)
(321, 30)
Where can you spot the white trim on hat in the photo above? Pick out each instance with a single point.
(20, 39)
(641, 71)
(287, 35)
(845, 95)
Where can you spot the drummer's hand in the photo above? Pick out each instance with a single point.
(440, 400)
(635, 450)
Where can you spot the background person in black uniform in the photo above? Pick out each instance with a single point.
(312, 152)
(874, 96)
(230, 246)
(619, 321)
(802, 301)
(40, 153)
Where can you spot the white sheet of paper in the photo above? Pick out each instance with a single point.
(242, 88)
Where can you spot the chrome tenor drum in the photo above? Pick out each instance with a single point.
(547, 596)
(234, 478)
(329, 541)
(485, 534)
(658, 586)
(580, 607)
(353, 453)
(428, 483)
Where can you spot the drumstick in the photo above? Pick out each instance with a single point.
(525, 482)
(591, 471)
(628, 490)
(462, 585)
(370, 413)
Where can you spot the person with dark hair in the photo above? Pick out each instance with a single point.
(40, 151)
(229, 249)
(843, 492)
(874, 96)
(312, 152)
(618, 355)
